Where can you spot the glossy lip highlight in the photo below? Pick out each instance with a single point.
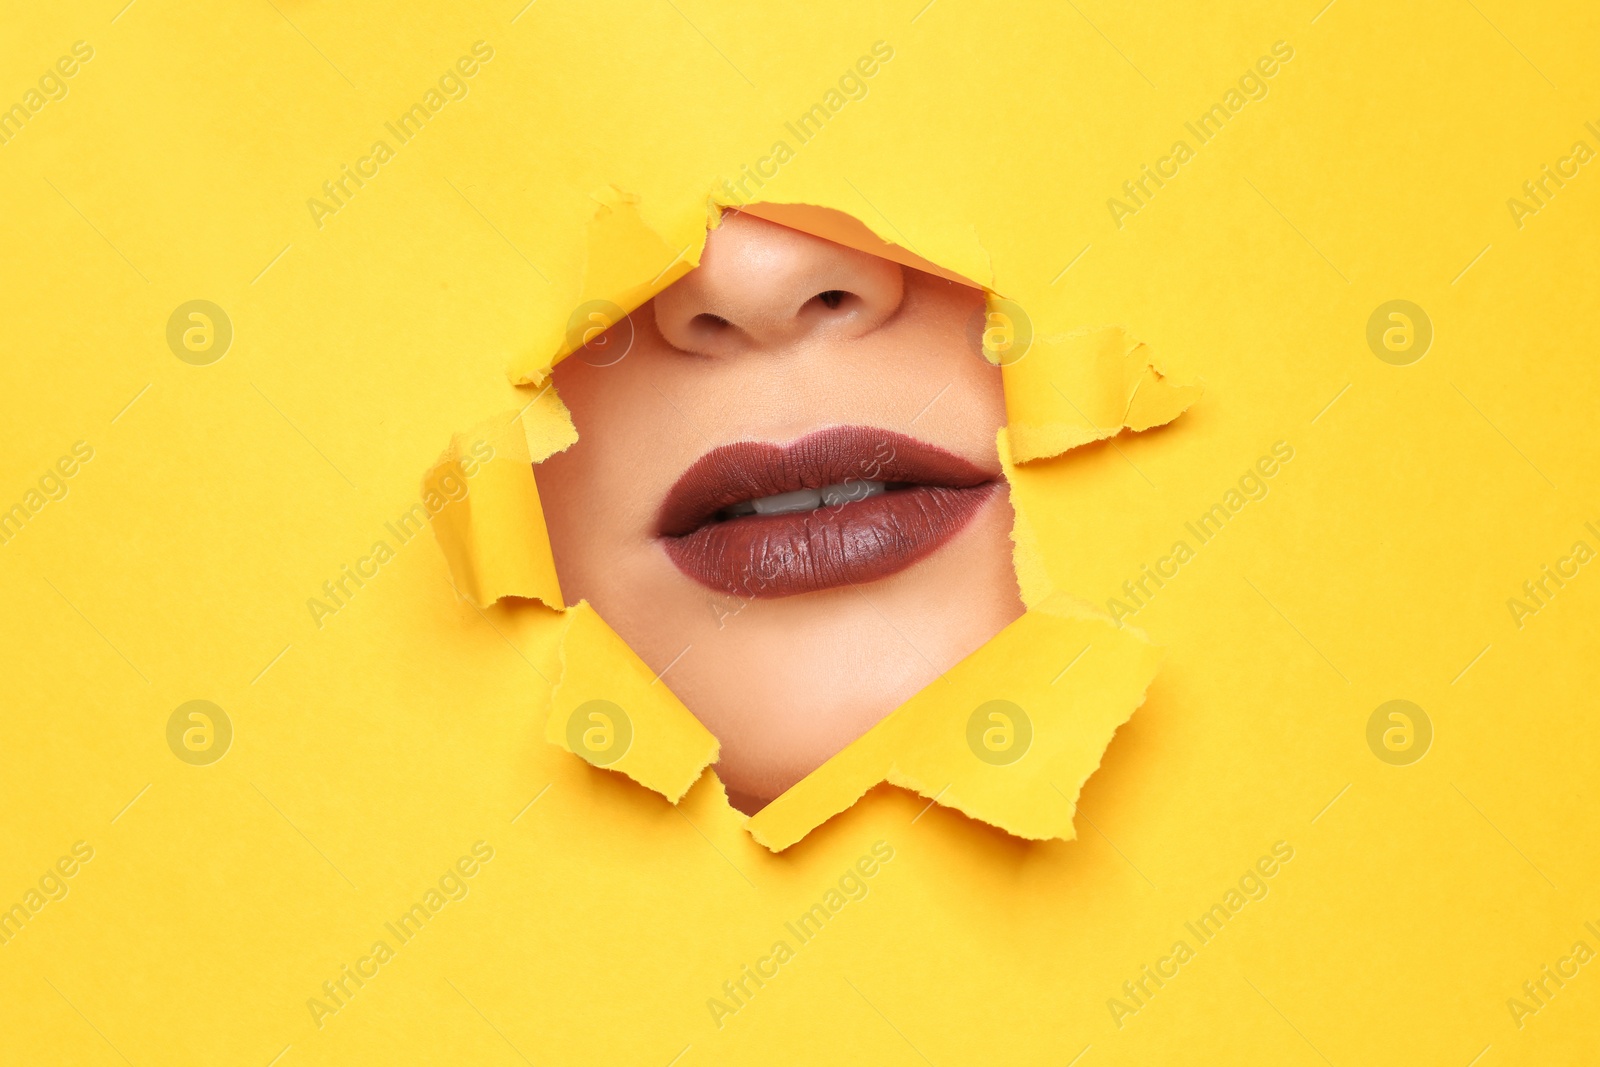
(933, 495)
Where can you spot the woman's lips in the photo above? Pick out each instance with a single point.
(887, 501)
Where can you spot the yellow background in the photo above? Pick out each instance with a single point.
(369, 754)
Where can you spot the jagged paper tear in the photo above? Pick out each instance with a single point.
(494, 538)
(1074, 675)
(605, 688)
(1072, 389)
(1065, 674)
(627, 263)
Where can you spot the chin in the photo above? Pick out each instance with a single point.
(787, 683)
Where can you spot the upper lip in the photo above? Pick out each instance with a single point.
(748, 470)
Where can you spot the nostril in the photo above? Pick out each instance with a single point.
(708, 321)
(832, 298)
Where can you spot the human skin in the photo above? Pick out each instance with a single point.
(743, 349)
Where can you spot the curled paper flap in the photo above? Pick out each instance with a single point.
(494, 537)
(626, 263)
(613, 711)
(1084, 386)
(842, 229)
(1008, 736)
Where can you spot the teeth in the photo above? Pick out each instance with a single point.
(802, 500)
(788, 503)
(835, 495)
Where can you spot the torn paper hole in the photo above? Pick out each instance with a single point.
(782, 506)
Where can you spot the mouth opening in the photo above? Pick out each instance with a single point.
(806, 501)
(840, 506)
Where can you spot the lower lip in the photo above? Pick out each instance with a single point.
(858, 542)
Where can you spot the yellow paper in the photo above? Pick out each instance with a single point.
(607, 707)
(627, 263)
(1085, 386)
(1015, 700)
(494, 535)
(186, 487)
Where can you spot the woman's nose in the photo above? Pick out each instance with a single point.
(762, 287)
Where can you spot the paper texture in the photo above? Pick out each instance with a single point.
(1086, 386)
(1351, 821)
